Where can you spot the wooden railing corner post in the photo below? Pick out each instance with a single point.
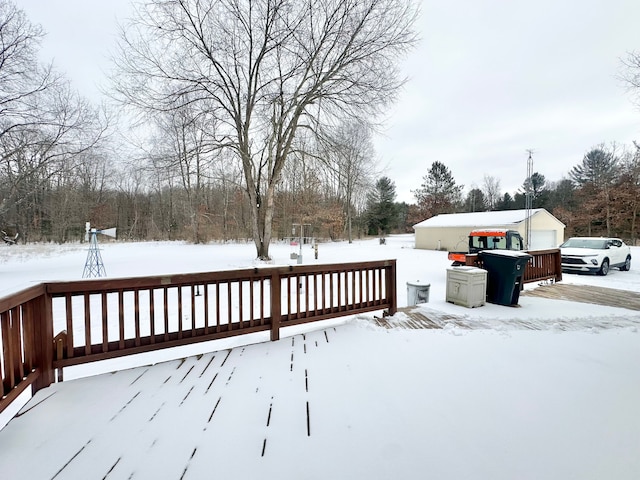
(392, 288)
(276, 306)
(43, 341)
(558, 262)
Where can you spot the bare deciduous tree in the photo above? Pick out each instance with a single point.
(45, 128)
(491, 191)
(185, 148)
(265, 68)
(349, 154)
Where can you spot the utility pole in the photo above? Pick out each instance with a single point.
(528, 200)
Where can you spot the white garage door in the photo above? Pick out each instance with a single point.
(541, 239)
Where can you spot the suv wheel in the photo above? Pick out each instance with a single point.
(604, 269)
(627, 265)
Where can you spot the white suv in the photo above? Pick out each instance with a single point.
(596, 255)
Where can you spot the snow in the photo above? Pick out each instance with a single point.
(472, 219)
(548, 389)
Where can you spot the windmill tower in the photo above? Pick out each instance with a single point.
(94, 267)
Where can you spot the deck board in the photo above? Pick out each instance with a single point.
(333, 403)
(587, 294)
(424, 317)
(175, 419)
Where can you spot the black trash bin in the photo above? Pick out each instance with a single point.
(505, 269)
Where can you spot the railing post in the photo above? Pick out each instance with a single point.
(276, 308)
(391, 288)
(43, 341)
(558, 262)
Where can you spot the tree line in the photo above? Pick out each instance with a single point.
(245, 118)
(600, 195)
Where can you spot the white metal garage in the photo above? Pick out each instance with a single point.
(450, 231)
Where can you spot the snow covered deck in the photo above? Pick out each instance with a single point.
(354, 401)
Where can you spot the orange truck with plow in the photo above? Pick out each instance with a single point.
(488, 239)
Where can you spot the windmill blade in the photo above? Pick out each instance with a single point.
(109, 232)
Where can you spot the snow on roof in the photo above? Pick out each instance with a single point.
(485, 219)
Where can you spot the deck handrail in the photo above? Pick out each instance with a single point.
(543, 265)
(100, 319)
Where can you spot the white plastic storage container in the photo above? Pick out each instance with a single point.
(467, 286)
(417, 292)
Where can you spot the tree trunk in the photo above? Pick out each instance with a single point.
(262, 215)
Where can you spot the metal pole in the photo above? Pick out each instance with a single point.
(528, 201)
(300, 246)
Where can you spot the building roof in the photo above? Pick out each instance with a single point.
(474, 219)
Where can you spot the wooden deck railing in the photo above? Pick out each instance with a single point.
(107, 318)
(543, 265)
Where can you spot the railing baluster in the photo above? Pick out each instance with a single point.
(121, 319)
(354, 292)
(251, 299)
(306, 295)
(217, 300)
(16, 340)
(276, 300)
(240, 301)
(69, 312)
(193, 311)
(299, 297)
(87, 324)
(8, 381)
(206, 308)
(331, 293)
(229, 306)
(152, 315)
(136, 315)
(288, 279)
(28, 338)
(179, 312)
(369, 273)
(340, 289)
(105, 323)
(324, 293)
(165, 306)
(261, 301)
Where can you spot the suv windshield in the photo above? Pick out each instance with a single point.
(598, 243)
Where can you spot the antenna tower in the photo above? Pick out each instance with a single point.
(528, 202)
(94, 266)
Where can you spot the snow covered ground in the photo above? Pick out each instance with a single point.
(514, 396)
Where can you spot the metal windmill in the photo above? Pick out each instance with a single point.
(94, 267)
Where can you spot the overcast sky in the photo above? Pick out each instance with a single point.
(490, 80)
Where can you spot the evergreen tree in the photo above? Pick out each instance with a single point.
(562, 194)
(596, 176)
(519, 201)
(537, 186)
(599, 167)
(382, 211)
(475, 201)
(506, 202)
(438, 192)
